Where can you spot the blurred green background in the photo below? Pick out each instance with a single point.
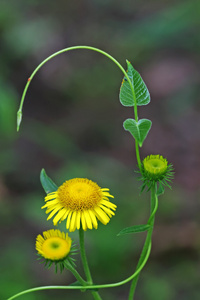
(72, 127)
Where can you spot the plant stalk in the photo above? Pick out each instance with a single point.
(85, 263)
(147, 241)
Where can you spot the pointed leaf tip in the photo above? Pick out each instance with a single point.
(47, 183)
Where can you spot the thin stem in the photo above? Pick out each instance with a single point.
(76, 274)
(83, 256)
(88, 287)
(19, 113)
(154, 206)
(110, 285)
(85, 263)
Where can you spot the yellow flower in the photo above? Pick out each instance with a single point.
(80, 201)
(53, 245)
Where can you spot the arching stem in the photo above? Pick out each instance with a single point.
(19, 113)
(88, 287)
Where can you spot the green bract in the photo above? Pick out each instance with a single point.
(66, 263)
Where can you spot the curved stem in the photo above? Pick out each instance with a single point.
(88, 287)
(154, 207)
(19, 113)
(85, 263)
(140, 266)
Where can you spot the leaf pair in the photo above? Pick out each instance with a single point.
(140, 94)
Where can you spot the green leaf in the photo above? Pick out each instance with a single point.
(141, 92)
(139, 130)
(160, 190)
(134, 229)
(48, 185)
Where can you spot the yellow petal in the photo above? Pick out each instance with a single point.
(59, 216)
(52, 202)
(87, 219)
(107, 210)
(68, 219)
(73, 222)
(109, 204)
(78, 219)
(48, 210)
(93, 218)
(50, 197)
(83, 221)
(108, 194)
(101, 215)
(65, 215)
(53, 212)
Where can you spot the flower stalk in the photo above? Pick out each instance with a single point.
(85, 263)
(154, 206)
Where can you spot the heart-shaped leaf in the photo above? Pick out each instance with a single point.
(141, 92)
(134, 229)
(139, 130)
(47, 183)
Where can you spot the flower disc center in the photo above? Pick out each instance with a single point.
(79, 194)
(155, 164)
(55, 248)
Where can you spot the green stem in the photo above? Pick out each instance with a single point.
(142, 262)
(76, 274)
(88, 287)
(154, 206)
(83, 256)
(19, 113)
(85, 263)
(140, 266)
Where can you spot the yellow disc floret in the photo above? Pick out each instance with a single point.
(79, 194)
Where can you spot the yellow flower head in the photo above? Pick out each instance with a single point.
(53, 245)
(81, 202)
